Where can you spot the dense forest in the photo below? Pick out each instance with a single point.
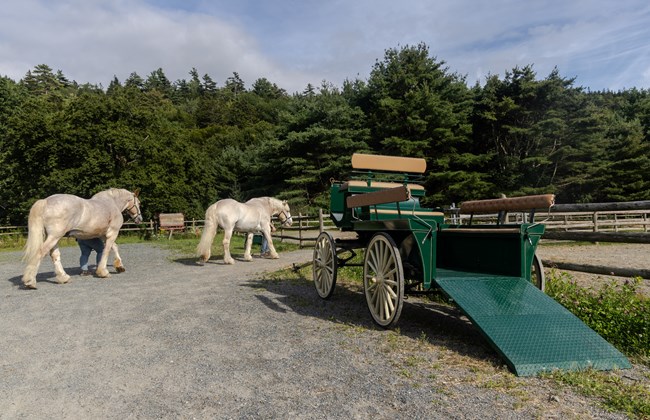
(190, 142)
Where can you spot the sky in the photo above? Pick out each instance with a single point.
(603, 44)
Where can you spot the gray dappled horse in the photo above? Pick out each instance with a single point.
(251, 216)
(68, 215)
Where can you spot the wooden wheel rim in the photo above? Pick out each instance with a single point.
(383, 280)
(324, 265)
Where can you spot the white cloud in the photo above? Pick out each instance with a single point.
(91, 43)
(293, 43)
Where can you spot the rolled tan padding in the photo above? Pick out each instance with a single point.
(528, 202)
(388, 163)
(382, 184)
(378, 197)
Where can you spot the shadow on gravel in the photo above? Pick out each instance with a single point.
(50, 276)
(442, 325)
(214, 259)
(45, 277)
(186, 261)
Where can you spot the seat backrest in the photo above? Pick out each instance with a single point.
(362, 161)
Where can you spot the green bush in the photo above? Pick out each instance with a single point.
(617, 311)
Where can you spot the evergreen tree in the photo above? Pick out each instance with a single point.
(524, 126)
(318, 136)
(159, 82)
(235, 85)
(416, 108)
(134, 81)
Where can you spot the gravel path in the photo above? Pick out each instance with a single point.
(170, 339)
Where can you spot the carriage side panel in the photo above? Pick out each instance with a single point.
(503, 250)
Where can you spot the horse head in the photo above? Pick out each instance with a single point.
(284, 213)
(133, 207)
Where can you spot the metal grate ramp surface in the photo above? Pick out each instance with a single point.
(530, 330)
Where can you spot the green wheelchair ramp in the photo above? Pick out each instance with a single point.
(530, 330)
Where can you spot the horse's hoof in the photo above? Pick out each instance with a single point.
(230, 262)
(30, 286)
(274, 256)
(103, 274)
(200, 262)
(120, 269)
(63, 280)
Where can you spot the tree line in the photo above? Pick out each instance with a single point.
(190, 142)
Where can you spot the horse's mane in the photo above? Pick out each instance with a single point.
(112, 192)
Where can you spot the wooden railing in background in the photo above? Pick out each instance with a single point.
(625, 222)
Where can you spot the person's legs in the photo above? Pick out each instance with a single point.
(83, 259)
(98, 245)
(265, 246)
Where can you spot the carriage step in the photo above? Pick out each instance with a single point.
(530, 330)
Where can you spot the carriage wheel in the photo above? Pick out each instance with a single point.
(537, 273)
(383, 280)
(324, 265)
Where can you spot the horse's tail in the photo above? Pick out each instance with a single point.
(204, 248)
(36, 231)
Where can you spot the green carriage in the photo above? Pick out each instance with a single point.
(490, 271)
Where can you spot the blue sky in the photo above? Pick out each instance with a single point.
(603, 44)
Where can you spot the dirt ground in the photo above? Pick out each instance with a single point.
(171, 339)
(635, 256)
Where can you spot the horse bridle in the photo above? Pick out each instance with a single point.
(131, 208)
(286, 219)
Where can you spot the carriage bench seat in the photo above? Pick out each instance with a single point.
(357, 186)
(397, 194)
(171, 222)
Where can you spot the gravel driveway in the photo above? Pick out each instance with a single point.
(170, 339)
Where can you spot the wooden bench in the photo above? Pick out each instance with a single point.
(387, 191)
(393, 171)
(171, 222)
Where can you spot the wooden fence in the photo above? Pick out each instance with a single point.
(607, 222)
(630, 226)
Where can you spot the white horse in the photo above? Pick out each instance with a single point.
(251, 216)
(68, 215)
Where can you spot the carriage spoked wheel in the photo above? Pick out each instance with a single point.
(383, 280)
(537, 273)
(325, 264)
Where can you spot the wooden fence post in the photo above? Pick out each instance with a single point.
(300, 230)
(321, 228)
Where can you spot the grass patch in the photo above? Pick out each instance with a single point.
(632, 399)
(16, 242)
(185, 244)
(617, 312)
